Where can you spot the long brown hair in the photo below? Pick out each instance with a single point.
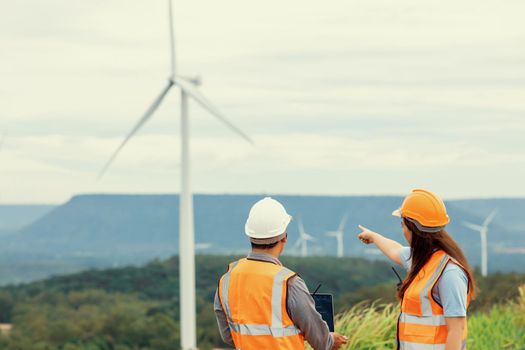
(423, 246)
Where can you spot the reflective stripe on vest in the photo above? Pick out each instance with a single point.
(426, 307)
(421, 324)
(433, 320)
(416, 346)
(224, 295)
(261, 329)
(277, 328)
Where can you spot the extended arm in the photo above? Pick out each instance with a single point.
(390, 248)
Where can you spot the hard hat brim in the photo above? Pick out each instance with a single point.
(397, 213)
(426, 229)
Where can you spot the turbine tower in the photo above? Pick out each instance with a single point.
(302, 242)
(186, 234)
(483, 230)
(338, 234)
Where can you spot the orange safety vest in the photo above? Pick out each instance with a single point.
(421, 325)
(253, 298)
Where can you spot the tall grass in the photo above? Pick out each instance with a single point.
(373, 326)
(369, 327)
(503, 327)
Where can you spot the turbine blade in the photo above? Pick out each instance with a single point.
(137, 126)
(489, 218)
(307, 237)
(473, 226)
(301, 227)
(206, 104)
(342, 223)
(172, 38)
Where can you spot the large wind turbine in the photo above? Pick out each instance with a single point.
(303, 239)
(338, 234)
(186, 235)
(483, 230)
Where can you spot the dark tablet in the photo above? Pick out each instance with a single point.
(325, 306)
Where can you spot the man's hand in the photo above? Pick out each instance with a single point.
(339, 340)
(366, 236)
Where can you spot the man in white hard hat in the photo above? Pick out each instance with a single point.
(259, 303)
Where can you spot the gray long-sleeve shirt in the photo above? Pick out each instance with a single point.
(301, 308)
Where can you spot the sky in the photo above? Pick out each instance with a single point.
(340, 97)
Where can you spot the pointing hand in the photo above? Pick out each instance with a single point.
(366, 236)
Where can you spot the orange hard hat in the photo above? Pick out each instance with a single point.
(426, 208)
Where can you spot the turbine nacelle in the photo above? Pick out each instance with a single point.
(307, 237)
(194, 80)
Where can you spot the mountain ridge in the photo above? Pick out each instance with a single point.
(117, 229)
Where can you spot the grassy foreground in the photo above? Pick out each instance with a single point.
(373, 327)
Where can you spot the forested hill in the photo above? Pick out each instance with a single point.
(135, 308)
(97, 231)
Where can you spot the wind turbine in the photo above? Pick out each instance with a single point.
(302, 242)
(186, 233)
(483, 230)
(338, 234)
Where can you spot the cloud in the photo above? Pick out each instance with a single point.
(368, 88)
(34, 161)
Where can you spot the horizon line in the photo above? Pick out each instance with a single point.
(151, 194)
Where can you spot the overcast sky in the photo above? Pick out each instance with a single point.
(341, 97)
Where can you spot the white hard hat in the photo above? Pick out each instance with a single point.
(267, 219)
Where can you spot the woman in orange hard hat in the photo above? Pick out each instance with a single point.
(439, 286)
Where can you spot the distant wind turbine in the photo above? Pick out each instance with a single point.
(302, 242)
(483, 230)
(187, 88)
(338, 234)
